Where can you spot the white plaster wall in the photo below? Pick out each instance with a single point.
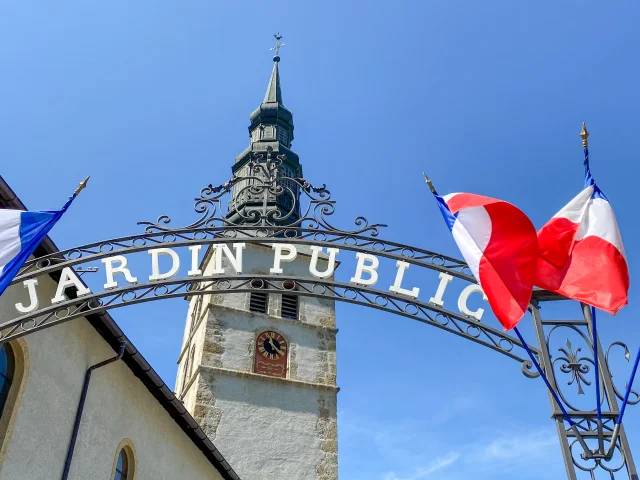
(118, 406)
(275, 422)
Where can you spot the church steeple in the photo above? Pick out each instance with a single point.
(270, 134)
(274, 93)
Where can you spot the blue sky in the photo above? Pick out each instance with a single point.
(152, 100)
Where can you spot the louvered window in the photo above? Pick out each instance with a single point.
(283, 136)
(259, 301)
(290, 306)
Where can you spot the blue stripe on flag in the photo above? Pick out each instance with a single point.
(34, 226)
(449, 217)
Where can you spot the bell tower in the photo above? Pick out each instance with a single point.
(257, 370)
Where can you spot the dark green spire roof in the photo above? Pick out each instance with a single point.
(274, 94)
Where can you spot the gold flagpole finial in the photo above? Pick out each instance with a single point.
(584, 134)
(426, 179)
(82, 185)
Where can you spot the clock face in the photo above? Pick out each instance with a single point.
(271, 345)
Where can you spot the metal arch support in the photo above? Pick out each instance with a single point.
(427, 313)
(262, 204)
(568, 361)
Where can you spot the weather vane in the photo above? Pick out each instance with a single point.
(278, 45)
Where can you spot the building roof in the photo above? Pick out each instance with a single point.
(114, 336)
(274, 93)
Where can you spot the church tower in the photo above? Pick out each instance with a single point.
(257, 370)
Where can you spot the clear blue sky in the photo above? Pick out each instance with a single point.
(151, 98)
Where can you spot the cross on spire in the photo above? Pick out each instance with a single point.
(276, 48)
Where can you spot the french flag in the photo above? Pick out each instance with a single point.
(20, 234)
(498, 242)
(581, 252)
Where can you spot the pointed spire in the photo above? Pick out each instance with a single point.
(274, 94)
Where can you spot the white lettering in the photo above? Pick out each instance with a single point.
(155, 264)
(33, 296)
(396, 287)
(279, 257)
(195, 264)
(68, 278)
(235, 260)
(331, 266)
(445, 279)
(112, 270)
(464, 296)
(362, 268)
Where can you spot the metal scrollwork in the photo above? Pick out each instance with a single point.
(265, 195)
(570, 362)
(634, 396)
(574, 364)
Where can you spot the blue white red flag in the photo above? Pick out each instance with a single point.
(20, 234)
(581, 252)
(498, 242)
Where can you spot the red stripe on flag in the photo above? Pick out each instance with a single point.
(508, 265)
(555, 241)
(596, 273)
(461, 201)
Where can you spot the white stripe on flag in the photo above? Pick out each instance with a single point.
(601, 222)
(9, 236)
(472, 232)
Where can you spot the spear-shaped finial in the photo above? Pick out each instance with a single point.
(428, 180)
(584, 134)
(82, 185)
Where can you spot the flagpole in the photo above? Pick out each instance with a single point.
(616, 428)
(588, 180)
(594, 329)
(81, 186)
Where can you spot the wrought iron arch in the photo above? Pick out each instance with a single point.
(265, 206)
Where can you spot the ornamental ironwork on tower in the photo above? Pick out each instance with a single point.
(266, 170)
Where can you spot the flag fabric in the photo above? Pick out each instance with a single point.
(498, 242)
(20, 233)
(581, 251)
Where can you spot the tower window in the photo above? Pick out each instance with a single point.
(259, 301)
(290, 306)
(192, 359)
(283, 136)
(289, 302)
(185, 372)
(195, 314)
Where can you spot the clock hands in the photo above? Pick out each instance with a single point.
(274, 346)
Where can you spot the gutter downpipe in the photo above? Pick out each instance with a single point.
(83, 397)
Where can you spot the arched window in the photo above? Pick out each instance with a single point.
(185, 372)
(7, 370)
(124, 465)
(192, 359)
(195, 314)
